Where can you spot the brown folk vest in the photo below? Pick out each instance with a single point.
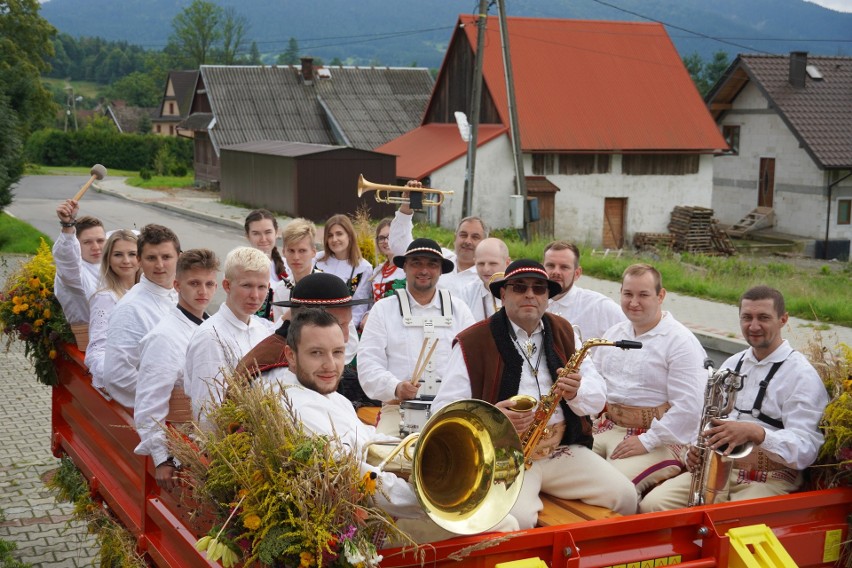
(494, 365)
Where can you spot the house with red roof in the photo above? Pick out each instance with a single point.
(613, 132)
(788, 121)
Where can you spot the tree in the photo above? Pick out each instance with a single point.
(706, 74)
(25, 104)
(196, 31)
(136, 89)
(291, 56)
(254, 54)
(234, 29)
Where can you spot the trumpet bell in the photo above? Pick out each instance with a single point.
(467, 468)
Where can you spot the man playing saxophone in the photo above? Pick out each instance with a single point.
(520, 350)
(778, 411)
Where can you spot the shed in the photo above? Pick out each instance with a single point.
(314, 181)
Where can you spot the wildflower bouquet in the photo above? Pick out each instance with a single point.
(834, 464)
(281, 496)
(364, 233)
(31, 313)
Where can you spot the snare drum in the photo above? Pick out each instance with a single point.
(413, 415)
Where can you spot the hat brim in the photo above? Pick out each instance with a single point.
(553, 288)
(320, 303)
(447, 265)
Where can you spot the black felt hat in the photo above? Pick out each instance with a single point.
(525, 268)
(320, 290)
(425, 247)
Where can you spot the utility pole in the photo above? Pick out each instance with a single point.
(520, 180)
(475, 103)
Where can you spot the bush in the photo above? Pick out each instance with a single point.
(180, 171)
(145, 173)
(113, 149)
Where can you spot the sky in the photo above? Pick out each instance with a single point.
(840, 5)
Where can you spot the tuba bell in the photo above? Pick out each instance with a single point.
(418, 196)
(466, 467)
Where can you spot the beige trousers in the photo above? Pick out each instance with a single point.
(573, 472)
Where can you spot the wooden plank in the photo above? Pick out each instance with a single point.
(558, 511)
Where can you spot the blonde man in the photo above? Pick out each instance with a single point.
(220, 342)
(300, 249)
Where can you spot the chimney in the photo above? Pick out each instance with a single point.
(798, 68)
(308, 70)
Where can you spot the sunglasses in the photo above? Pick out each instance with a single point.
(521, 288)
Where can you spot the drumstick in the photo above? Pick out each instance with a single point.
(417, 364)
(425, 362)
(98, 172)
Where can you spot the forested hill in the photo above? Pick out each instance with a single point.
(402, 32)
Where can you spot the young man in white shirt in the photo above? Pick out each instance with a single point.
(315, 351)
(778, 411)
(140, 310)
(77, 255)
(404, 329)
(654, 394)
(160, 394)
(219, 343)
(590, 312)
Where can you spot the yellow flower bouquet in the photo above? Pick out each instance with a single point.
(834, 464)
(29, 312)
(280, 495)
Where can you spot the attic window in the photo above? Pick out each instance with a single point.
(324, 73)
(813, 72)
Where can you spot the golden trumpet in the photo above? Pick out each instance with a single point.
(383, 193)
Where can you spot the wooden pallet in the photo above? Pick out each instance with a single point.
(566, 511)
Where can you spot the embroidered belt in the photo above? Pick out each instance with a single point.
(549, 441)
(634, 416)
(180, 407)
(758, 460)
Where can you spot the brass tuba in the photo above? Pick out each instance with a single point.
(710, 478)
(417, 195)
(466, 467)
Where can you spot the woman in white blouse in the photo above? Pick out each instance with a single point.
(385, 273)
(119, 272)
(342, 257)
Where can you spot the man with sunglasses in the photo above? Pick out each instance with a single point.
(519, 350)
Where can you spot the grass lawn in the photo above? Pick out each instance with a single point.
(19, 237)
(814, 292)
(88, 89)
(156, 182)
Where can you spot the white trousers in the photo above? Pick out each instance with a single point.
(573, 472)
(742, 485)
(644, 471)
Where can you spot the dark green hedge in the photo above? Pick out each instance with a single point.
(112, 149)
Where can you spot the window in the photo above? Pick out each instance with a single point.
(171, 108)
(159, 129)
(583, 164)
(659, 164)
(731, 132)
(172, 129)
(543, 164)
(844, 211)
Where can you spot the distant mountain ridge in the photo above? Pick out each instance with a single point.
(403, 32)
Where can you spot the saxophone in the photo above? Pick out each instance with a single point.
(710, 477)
(549, 402)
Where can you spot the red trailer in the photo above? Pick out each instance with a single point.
(99, 437)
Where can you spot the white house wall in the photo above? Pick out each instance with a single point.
(579, 205)
(494, 183)
(799, 194)
(579, 212)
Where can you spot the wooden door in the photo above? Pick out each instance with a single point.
(543, 228)
(615, 213)
(766, 183)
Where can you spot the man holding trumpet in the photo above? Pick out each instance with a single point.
(406, 342)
